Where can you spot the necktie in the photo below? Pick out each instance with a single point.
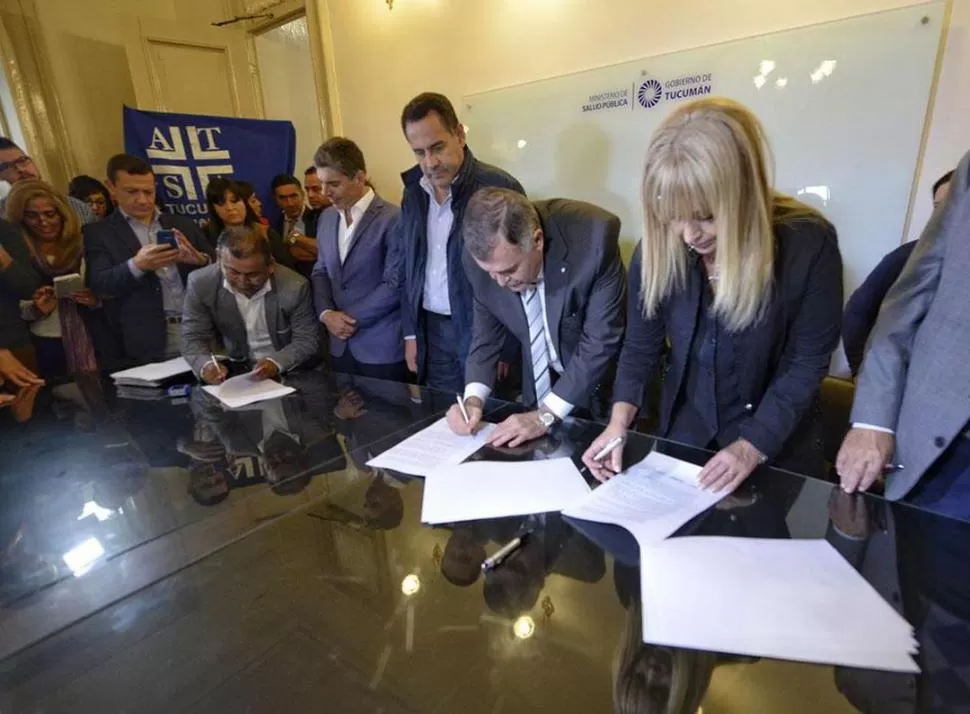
(537, 336)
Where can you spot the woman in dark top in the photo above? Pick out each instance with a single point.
(48, 246)
(744, 286)
(228, 208)
(92, 192)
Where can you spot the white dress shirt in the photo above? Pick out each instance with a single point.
(553, 402)
(440, 220)
(345, 231)
(253, 311)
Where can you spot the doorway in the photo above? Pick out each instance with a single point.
(288, 84)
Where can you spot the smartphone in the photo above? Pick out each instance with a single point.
(166, 236)
(67, 285)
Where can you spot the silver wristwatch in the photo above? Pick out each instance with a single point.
(547, 418)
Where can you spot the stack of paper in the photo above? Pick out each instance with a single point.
(489, 489)
(788, 599)
(244, 389)
(431, 448)
(651, 499)
(155, 374)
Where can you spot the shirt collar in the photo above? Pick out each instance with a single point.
(363, 203)
(268, 287)
(132, 219)
(429, 189)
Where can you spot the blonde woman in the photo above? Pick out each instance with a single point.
(49, 245)
(653, 679)
(745, 286)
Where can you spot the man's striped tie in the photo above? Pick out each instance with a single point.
(537, 336)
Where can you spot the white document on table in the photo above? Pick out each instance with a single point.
(477, 490)
(243, 389)
(152, 375)
(786, 599)
(435, 446)
(651, 499)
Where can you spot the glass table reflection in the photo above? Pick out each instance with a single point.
(173, 556)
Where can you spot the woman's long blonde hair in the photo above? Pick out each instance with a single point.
(690, 674)
(710, 159)
(71, 245)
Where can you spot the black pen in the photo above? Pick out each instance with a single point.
(504, 552)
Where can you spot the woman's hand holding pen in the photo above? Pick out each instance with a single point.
(610, 464)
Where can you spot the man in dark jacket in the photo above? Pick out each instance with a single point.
(863, 307)
(436, 297)
(141, 278)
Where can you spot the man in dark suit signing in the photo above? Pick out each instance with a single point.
(360, 309)
(550, 274)
(142, 280)
(260, 311)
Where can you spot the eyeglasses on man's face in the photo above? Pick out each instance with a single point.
(18, 163)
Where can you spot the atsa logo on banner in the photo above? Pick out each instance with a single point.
(650, 92)
(177, 157)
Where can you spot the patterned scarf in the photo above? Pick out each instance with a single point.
(78, 347)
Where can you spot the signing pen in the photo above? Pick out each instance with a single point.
(609, 448)
(504, 552)
(461, 405)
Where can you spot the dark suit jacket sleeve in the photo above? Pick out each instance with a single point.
(488, 340)
(305, 341)
(642, 344)
(605, 318)
(813, 335)
(320, 279)
(882, 379)
(105, 277)
(394, 268)
(198, 327)
(281, 252)
(863, 307)
(386, 297)
(20, 279)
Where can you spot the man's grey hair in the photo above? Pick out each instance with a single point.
(244, 242)
(493, 214)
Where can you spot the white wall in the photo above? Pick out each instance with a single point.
(381, 57)
(286, 73)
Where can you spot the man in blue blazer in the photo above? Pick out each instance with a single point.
(359, 307)
(863, 307)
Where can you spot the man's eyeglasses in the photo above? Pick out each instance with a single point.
(17, 163)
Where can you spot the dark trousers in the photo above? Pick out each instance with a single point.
(445, 369)
(348, 364)
(51, 359)
(945, 487)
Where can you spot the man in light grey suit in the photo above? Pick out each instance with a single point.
(550, 274)
(260, 311)
(913, 393)
(359, 307)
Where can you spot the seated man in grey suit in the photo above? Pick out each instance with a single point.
(911, 407)
(361, 311)
(258, 310)
(549, 273)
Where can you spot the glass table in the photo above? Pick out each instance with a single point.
(167, 555)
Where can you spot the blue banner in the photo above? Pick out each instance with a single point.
(187, 150)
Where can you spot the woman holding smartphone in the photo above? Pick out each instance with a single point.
(48, 256)
(743, 285)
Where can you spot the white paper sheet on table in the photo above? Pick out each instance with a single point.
(242, 390)
(651, 499)
(422, 453)
(152, 375)
(786, 599)
(494, 489)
